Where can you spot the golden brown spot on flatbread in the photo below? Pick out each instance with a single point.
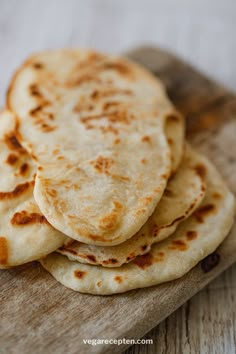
(91, 257)
(11, 159)
(110, 220)
(92, 59)
(35, 110)
(121, 178)
(3, 250)
(146, 200)
(41, 117)
(52, 192)
(55, 151)
(23, 169)
(191, 235)
(110, 261)
(102, 164)
(154, 229)
(121, 67)
(178, 245)
(94, 94)
(201, 170)
(144, 261)
(143, 161)
(99, 283)
(17, 191)
(146, 139)
(159, 257)
(95, 237)
(19, 137)
(216, 195)
(85, 78)
(173, 117)
(116, 141)
(95, 57)
(203, 211)
(38, 65)
(161, 254)
(46, 181)
(64, 181)
(25, 218)
(34, 157)
(60, 158)
(79, 274)
(40, 168)
(12, 143)
(47, 128)
(109, 92)
(89, 126)
(83, 106)
(170, 141)
(131, 256)
(73, 186)
(118, 279)
(34, 90)
(108, 105)
(109, 129)
(164, 175)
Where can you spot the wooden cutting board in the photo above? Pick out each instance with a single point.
(38, 315)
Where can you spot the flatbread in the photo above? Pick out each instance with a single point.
(175, 134)
(25, 234)
(184, 192)
(104, 161)
(194, 239)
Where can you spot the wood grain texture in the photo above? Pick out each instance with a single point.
(205, 324)
(40, 316)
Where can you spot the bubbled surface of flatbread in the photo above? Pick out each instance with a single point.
(25, 234)
(170, 259)
(95, 125)
(183, 194)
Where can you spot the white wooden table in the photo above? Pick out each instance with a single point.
(203, 32)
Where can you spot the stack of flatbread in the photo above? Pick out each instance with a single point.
(97, 181)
